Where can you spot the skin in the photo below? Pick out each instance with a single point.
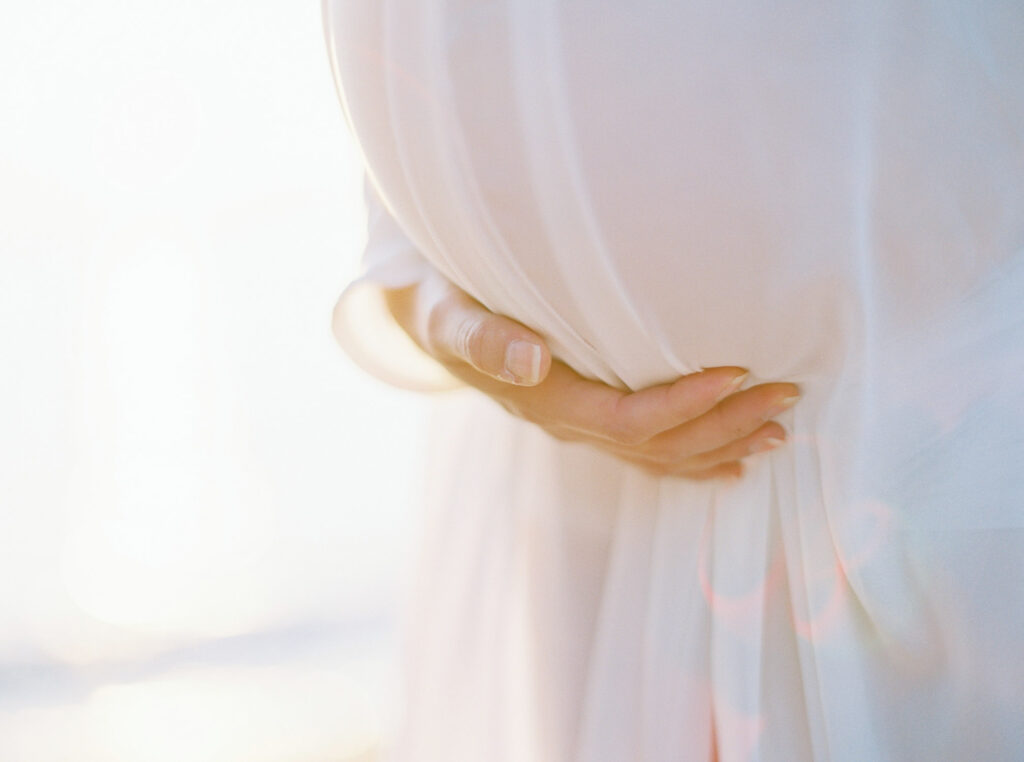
(700, 426)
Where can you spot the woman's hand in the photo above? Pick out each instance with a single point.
(698, 427)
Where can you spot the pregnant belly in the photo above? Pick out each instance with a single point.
(657, 191)
(636, 275)
(650, 295)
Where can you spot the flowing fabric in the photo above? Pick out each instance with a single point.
(826, 193)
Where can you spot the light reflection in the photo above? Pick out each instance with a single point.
(864, 530)
(826, 598)
(737, 733)
(738, 608)
(861, 532)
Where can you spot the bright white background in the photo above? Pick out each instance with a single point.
(205, 510)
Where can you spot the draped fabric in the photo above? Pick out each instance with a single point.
(826, 193)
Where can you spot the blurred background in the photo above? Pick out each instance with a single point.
(206, 511)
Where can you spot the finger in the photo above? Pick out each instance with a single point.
(768, 437)
(730, 470)
(460, 328)
(640, 416)
(565, 401)
(628, 418)
(734, 418)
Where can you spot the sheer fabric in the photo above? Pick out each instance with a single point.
(827, 193)
(361, 321)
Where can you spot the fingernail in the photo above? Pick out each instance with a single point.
(522, 360)
(782, 405)
(766, 444)
(731, 386)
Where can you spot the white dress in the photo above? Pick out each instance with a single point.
(828, 193)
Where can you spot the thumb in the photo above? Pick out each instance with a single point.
(492, 344)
